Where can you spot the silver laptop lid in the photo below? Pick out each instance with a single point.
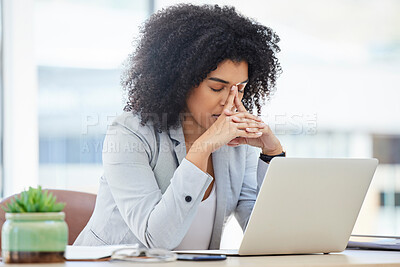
(307, 205)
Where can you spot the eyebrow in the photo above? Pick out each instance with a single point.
(222, 81)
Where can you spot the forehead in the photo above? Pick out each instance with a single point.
(231, 71)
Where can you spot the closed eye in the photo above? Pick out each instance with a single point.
(216, 90)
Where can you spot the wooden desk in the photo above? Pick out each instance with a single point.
(347, 258)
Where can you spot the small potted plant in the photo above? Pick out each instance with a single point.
(35, 230)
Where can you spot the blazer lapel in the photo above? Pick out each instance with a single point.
(179, 139)
(220, 159)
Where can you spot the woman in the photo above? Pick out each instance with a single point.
(184, 156)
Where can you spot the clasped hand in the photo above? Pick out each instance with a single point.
(236, 126)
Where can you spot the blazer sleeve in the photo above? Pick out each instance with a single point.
(255, 170)
(157, 220)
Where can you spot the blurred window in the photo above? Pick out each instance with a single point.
(1, 101)
(80, 48)
(387, 149)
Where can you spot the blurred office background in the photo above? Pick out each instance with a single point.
(338, 95)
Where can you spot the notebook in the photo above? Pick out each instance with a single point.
(88, 253)
(374, 242)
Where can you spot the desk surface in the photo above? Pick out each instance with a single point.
(346, 258)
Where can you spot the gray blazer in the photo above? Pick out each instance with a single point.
(149, 192)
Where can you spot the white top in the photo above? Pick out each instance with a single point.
(199, 233)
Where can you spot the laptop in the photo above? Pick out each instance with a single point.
(305, 206)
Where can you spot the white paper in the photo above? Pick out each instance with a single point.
(92, 252)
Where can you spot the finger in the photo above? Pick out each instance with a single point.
(239, 104)
(245, 120)
(243, 133)
(238, 141)
(229, 104)
(234, 109)
(233, 145)
(245, 116)
(233, 141)
(228, 112)
(240, 117)
(250, 124)
(252, 130)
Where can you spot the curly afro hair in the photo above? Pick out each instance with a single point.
(180, 45)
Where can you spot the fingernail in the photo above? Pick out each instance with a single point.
(233, 87)
(263, 124)
(259, 133)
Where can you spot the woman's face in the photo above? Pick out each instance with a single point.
(206, 102)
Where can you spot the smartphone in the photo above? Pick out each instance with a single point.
(201, 257)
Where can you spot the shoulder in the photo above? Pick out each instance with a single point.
(126, 134)
(130, 124)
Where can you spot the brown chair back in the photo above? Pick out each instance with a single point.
(78, 209)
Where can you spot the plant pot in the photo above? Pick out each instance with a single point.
(34, 237)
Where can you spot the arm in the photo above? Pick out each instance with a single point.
(157, 220)
(253, 178)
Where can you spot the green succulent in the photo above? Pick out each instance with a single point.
(34, 200)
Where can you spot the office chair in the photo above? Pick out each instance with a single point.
(78, 209)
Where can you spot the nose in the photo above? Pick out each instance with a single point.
(225, 94)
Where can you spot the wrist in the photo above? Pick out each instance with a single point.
(202, 148)
(274, 152)
(268, 158)
(198, 155)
